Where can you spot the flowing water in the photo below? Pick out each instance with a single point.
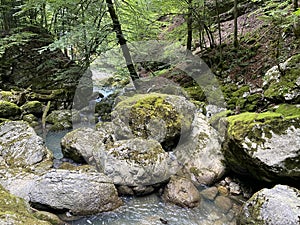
(151, 210)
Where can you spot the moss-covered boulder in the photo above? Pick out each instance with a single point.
(50, 70)
(164, 118)
(277, 206)
(20, 146)
(60, 120)
(137, 162)
(283, 85)
(16, 211)
(9, 96)
(8, 109)
(265, 145)
(32, 107)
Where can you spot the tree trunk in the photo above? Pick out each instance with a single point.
(296, 5)
(235, 35)
(189, 26)
(121, 39)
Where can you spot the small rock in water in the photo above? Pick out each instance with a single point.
(234, 188)
(210, 193)
(163, 221)
(223, 190)
(223, 203)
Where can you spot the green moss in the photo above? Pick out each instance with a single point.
(228, 89)
(151, 108)
(59, 126)
(241, 102)
(287, 83)
(239, 93)
(14, 208)
(289, 110)
(195, 171)
(196, 93)
(216, 118)
(8, 109)
(254, 97)
(240, 125)
(8, 96)
(32, 107)
(254, 125)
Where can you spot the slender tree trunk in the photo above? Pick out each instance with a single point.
(189, 25)
(235, 33)
(296, 5)
(122, 41)
(219, 32)
(219, 22)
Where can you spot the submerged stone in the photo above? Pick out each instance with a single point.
(182, 192)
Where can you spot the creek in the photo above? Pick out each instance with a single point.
(150, 209)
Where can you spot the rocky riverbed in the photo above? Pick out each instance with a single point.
(158, 143)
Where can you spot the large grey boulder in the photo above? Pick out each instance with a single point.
(200, 152)
(82, 145)
(80, 192)
(136, 162)
(161, 117)
(181, 191)
(132, 162)
(79, 144)
(279, 205)
(20, 146)
(266, 145)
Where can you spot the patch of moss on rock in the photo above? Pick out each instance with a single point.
(284, 87)
(154, 116)
(257, 144)
(8, 109)
(153, 108)
(14, 210)
(196, 93)
(32, 107)
(288, 110)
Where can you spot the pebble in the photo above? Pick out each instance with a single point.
(210, 193)
(223, 203)
(223, 190)
(234, 188)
